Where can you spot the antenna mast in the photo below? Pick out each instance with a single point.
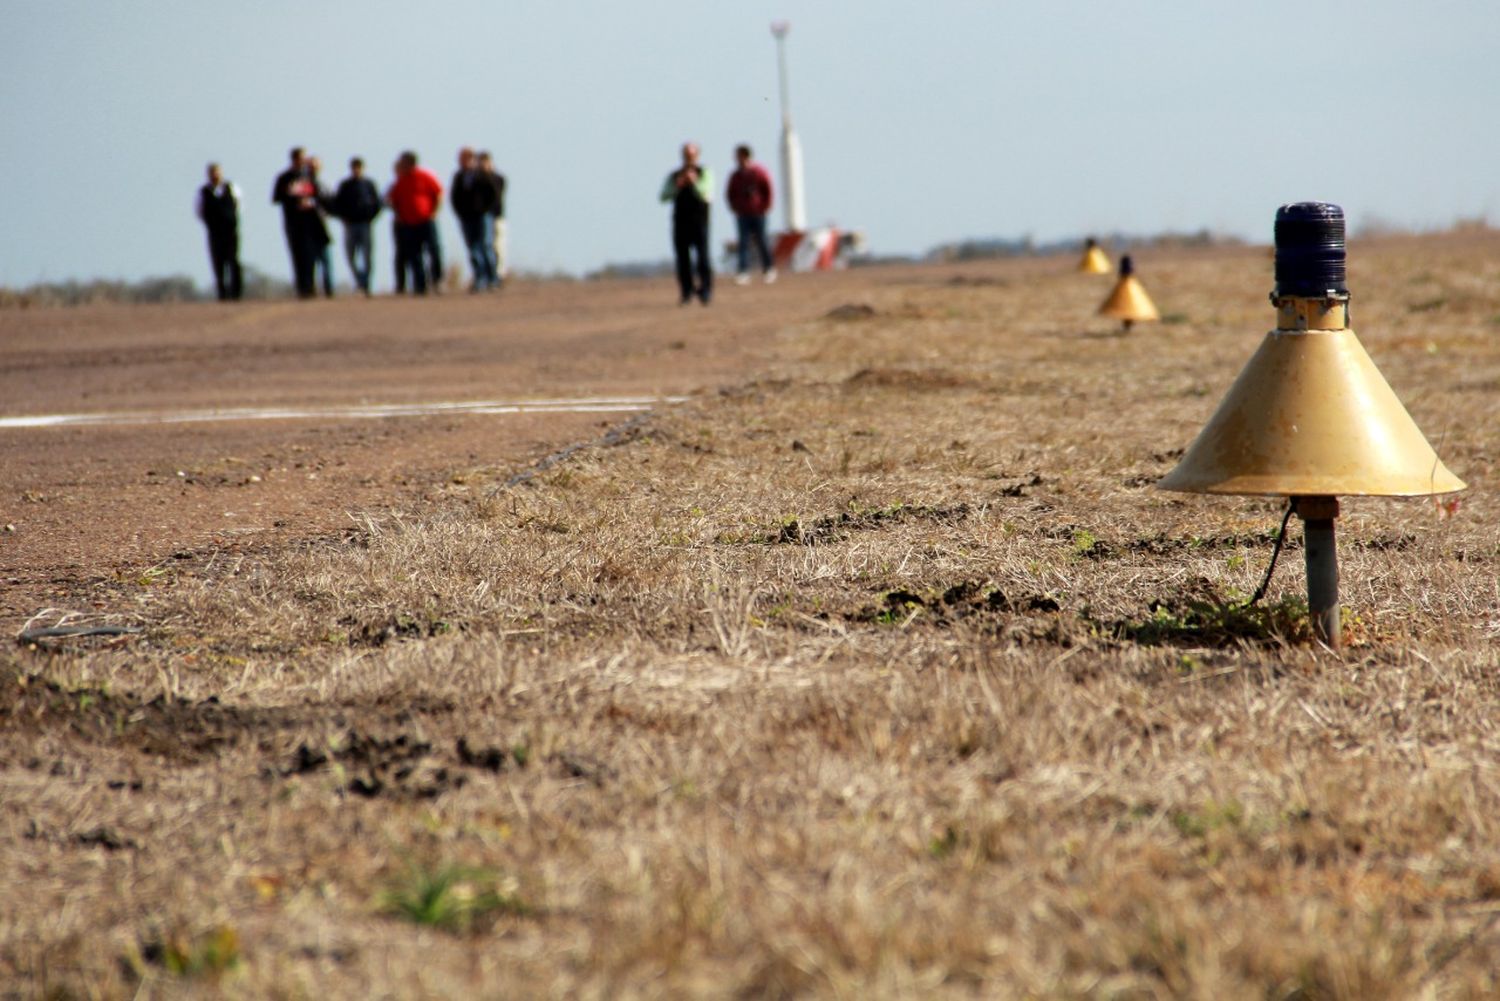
(791, 149)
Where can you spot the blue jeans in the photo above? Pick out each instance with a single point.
(432, 253)
(479, 236)
(752, 229)
(359, 247)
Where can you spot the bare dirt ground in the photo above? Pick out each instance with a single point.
(85, 505)
(877, 668)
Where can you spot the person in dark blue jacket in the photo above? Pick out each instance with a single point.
(356, 203)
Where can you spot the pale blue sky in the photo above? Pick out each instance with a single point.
(920, 122)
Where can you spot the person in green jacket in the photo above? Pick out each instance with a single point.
(690, 189)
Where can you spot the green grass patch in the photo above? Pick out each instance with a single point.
(1219, 623)
(451, 897)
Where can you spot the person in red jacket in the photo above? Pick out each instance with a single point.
(415, 199)
(750, 200)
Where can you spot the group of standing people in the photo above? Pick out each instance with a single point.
(690, 189)
(305, 205)
(415, 197)
(478, 199)
(477, 195)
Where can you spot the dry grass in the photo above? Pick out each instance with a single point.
(886, 675)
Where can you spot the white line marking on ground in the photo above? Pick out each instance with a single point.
(583, 405)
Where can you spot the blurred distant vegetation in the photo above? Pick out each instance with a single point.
(634, 269)
(1374, 227)
(259, 285)
(168, 288)
(979, 249)
(1025, 246)
(973, 249)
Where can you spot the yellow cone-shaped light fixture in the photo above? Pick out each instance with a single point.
(1129, 302)
(1311, 414)
(1094, 261)
(1310, 417)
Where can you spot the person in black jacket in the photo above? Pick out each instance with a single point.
(497, 180)
(690, 189)
(219, 208)
(475, 200)
(357, 203)
(297, 194)
(322, 242)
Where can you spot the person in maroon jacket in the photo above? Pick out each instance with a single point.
(750, 200)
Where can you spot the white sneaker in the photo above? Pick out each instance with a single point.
(770, 276)
(742, 279)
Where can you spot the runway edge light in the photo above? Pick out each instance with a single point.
(1310, 417)
(1128, 302)
(1094, 261)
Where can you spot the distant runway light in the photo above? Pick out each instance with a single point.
(1094, 261)
(1128, 302)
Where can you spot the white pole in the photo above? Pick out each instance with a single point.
(791, 149)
